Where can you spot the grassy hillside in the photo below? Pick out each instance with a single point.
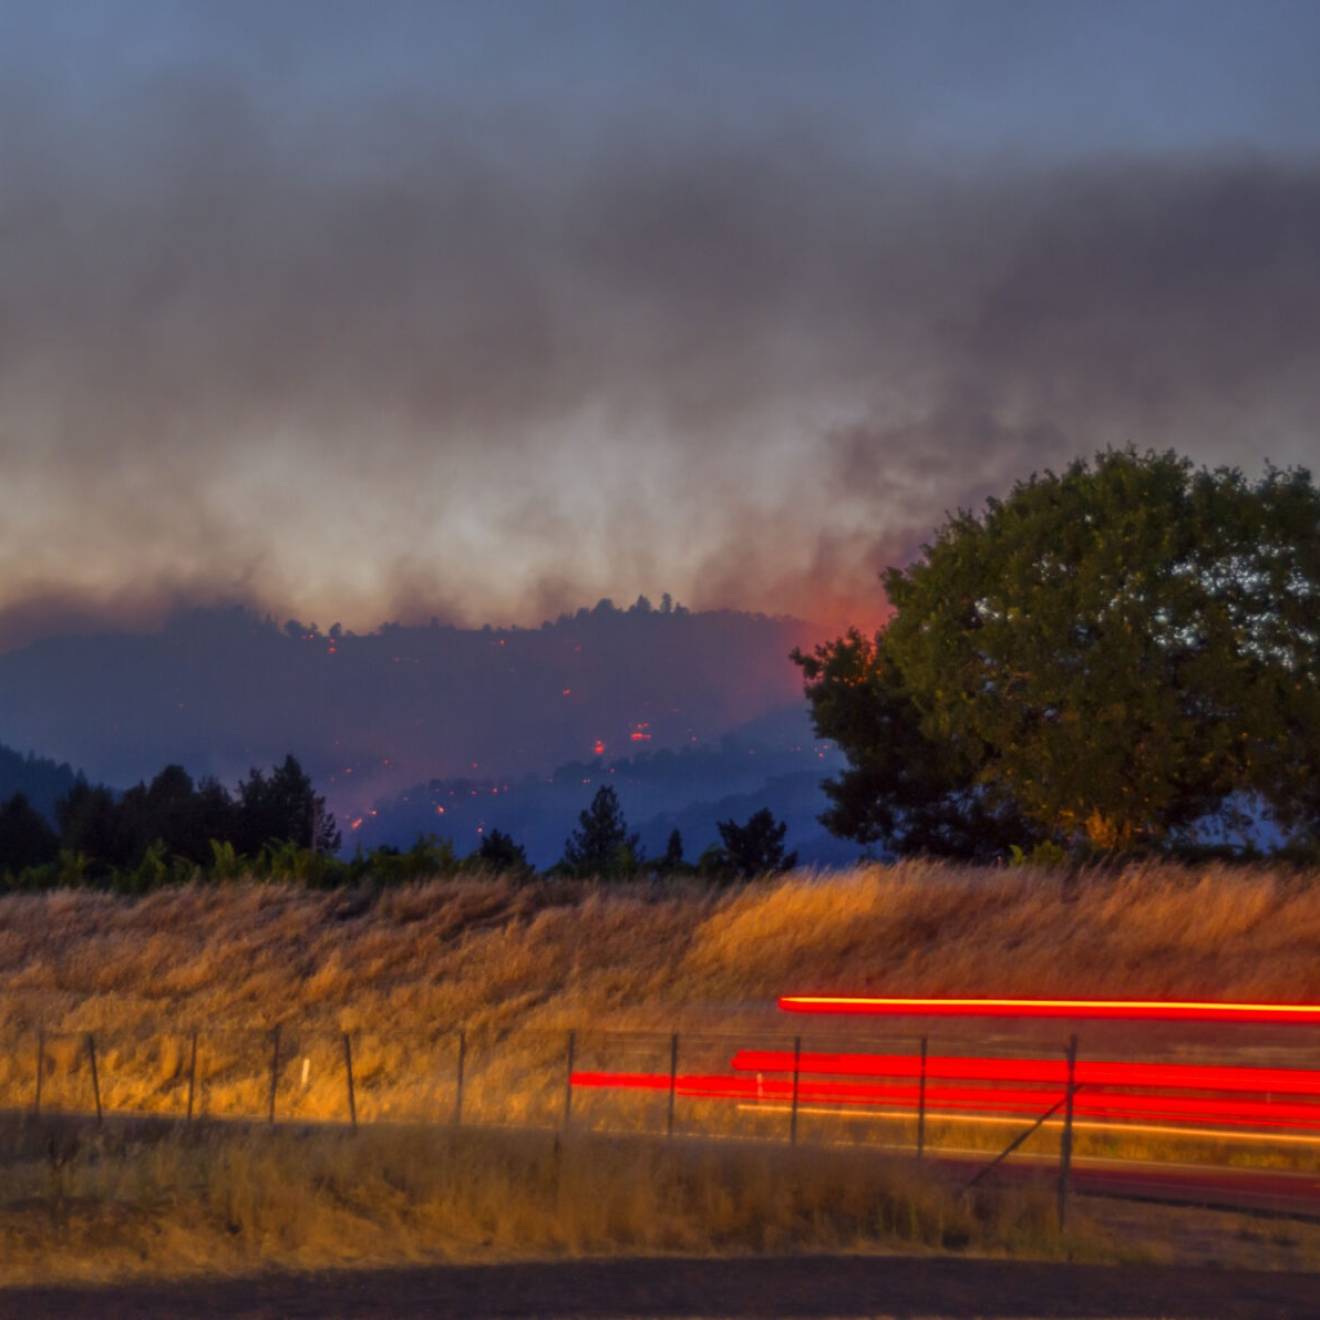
(401, 968)
(423, 958)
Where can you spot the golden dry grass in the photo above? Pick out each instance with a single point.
(227, 1201)
(517, 966)
(422, 958)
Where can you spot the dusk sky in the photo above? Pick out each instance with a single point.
(359, 311)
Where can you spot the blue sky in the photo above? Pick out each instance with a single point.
(374, 310)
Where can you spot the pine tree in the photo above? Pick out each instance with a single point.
(601, 846)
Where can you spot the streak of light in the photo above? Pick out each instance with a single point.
(1000, 1100)
(1091, 1125)
(1189, 1077)
(1155, 1009)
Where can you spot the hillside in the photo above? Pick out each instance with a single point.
(42, 781)
(220, 691)
(422, 959)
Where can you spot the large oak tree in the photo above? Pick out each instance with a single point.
(1112, 653)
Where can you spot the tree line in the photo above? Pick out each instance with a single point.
(275, 826)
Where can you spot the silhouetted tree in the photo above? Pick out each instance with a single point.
(672, 861)
(498, 852)
(91, 823)
(25, 837)
(756, 848)
(177, 814)
(601, 846)
(282, 808)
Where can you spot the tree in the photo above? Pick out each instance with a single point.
(756, 848)
(498, 852)
(91, 825)
(903, 790)
(601, 846)
(671, 863)
(25, 837)
(1110, 655)
(283, 808)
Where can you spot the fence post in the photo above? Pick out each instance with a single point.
(921, 1104)
(673, 1083)
(568, 1080)
(348, 1072)
(274, 1072)
(41, 1067)
(797, 1074)
(459, 1067)
(96, 1081)
(1065, 1145)
(192, 1074)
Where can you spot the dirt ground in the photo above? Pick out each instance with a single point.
(779, 1286)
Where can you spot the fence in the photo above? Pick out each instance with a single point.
(941, 1095)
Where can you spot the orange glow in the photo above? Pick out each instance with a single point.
(599, 747)
(1153, 1009)
(439, 811)
(355, 823)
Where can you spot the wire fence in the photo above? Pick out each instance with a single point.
(954, 1097)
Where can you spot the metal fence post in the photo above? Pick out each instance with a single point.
(274, 1072)
(921, 1104)
(568, 1080)
(797, 1074)
(192, 1074)
(1065, 1145)
(41, 1068)
(348, 1073)
(459, 1068)
(673, 1083)
(96, 1081)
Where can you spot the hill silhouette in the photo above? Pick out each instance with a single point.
(222, 690)
(39, 779)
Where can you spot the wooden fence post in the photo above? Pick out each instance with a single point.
(673, 1083)
(1065, 1145)
(192, 1074)
(568, 1080)
(41, 1068)
(96, 1081)
(797, 1075)
(348, 1072)
(460, 1065)
(921, 1104)
(274, 1072)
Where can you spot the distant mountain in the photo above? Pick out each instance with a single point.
(774, 761)
(42, 781)
(219, 691)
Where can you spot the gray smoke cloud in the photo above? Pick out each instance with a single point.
(400, 362)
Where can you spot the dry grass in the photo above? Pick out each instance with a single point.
(422, 958)
(400, 968)
(226, 1201)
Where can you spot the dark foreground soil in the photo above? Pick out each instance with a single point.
(793, 1286)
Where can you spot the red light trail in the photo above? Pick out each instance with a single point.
(1147, 1009)
(966, 1099)
(1187, 1077)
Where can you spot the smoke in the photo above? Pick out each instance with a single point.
(402, 362)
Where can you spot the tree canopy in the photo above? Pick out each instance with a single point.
(1109, 654)
(756, 848)
(601, 846)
